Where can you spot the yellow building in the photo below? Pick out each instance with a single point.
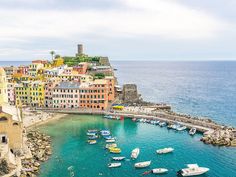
(58, 62)
(3, 86)
(22, 93)
(37, 94)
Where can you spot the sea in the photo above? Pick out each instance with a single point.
(205, 89)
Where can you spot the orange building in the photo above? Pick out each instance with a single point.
(81, 68)
(111, 88)
(94, 95)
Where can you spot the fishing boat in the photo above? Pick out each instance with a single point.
(112, 140)
(142, 164)
(135, 153)
(105, 132)
(113, 145)
(118, 158)
(192, 170)
(162, 124)
(159, 170)
(181, 128)
(115, 150)
(92, 141)
(165, 150)
(114, 165)
(192, 131)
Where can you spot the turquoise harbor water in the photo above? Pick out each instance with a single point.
(71, 149)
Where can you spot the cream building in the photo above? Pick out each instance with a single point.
(3, 86)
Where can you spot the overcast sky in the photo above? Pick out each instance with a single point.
(120, 29)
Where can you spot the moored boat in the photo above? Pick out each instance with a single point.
(181, 128)
(111, 140)
(105, 132)
(162, 124)
(115, 150)
(192, 170)
(92, 141)
(192, 131)
(165, 150)
(112, 145)
(159, 170)
(135, 153)
(142, 164)
(114, 165)
(93, 137)
(91, 133)
(118, 158)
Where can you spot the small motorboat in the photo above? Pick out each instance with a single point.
(108, 116)
(181, 128)
(159, 170)
(170, 126)
(115, 150)
(93, 137)
(114, 165)
(91, 133)
(135, 153)
(162, 124)
(92, 141)
(112, 145)
(109, 137)
(165, 150)
(142, 164)
(111, 140)
(192, 131)
(118, 158)
(105, 132)
(192, 170)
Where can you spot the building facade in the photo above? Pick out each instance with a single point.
(3, 86)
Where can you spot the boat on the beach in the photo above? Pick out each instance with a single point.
(135, 153)
(142, 164)
(181, 128)
(192, 170)
(92, 141)
(118, 158)
(165, 150)
(159, 170)
(115, 150)
(192, 131)
(114, 165)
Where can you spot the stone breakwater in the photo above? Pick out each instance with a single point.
(220, 137)
(40, 147)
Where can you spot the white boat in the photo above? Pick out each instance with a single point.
(114, 165)
(162, 124)
(111, 140)
(91, 133)
(118, 158)
(92, 141)
(165, 150)
(142, 164)
(105, 132)
(181, 128)
(159, 170)
(112, 145)
(192, 131)
(193, 170)
(135, 153)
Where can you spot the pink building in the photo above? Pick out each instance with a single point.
(11, 93)
(48, 89)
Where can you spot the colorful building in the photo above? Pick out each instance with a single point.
(11, 93)
(81, 68)
(57, 62)
(111, 88)
(37, 94)
(10, 71)
(94, 95)
(33, 68)
(3, 86)
(66, 95)
(22, 93)
(50, 84)
(22, 70)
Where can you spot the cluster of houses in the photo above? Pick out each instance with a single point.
(56, 85)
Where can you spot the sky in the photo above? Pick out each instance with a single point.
(120, 29)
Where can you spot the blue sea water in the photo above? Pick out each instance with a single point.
(198, 88)
(70, 148)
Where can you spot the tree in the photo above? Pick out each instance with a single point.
(52, 54)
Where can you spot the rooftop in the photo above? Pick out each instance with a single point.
(68, 85)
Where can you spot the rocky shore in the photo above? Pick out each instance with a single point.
(220, 137)
(40, 147)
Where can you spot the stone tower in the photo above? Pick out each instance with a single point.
(80, 49)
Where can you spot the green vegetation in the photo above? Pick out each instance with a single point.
(73, 61)
(99, 76)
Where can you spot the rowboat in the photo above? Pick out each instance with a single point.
(112, 145)
(91, 133)
(118, 158)
(115, 150)
(112, 140)
(165, 150)
(142, 164)
(114, 165)
(159, 170)
(135, 153)
(92, 141)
